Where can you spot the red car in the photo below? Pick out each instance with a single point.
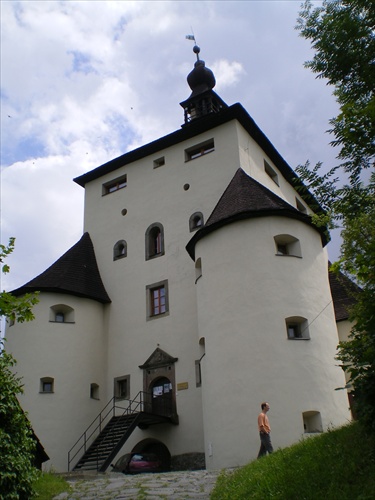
(133, 463)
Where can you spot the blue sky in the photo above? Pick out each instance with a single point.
(85, 81)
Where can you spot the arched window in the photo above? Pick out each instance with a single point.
(287, 245)
(195, 221)
(154, 241)
(61, 313)
(120, 250)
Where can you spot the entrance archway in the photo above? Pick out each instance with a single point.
(154, 446)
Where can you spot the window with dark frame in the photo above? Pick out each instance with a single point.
(120, 250)
(115, 185)
(199, 150)
(46, 385)
(122, 387)
(157, 299)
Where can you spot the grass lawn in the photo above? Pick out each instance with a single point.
(49, 485)
(335, 465)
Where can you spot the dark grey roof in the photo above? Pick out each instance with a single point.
(246, 198)
(75, 273)
(205, 123)
(344, 293)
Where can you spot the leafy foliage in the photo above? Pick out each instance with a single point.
(342, 32)
(16, 442)
(15, 308)
(17, 445)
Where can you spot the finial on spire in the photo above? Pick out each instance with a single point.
(196, 48)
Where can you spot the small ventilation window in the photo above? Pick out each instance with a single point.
(114, 185)
(60, 317)
(297, 328)
(61, 313)
(46, 385)
(196, 221)
(312, 421)
(120, 250)
(94, 391)
(121, 387)
(159, 162)
(271, 172)
(287, 244)
(199, 150)
(300, 206)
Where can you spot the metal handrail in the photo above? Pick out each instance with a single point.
(141, 403)
(99, 422)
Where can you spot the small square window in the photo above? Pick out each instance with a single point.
(297, 328)
(122, 387)
(159, 162)
(46, 385)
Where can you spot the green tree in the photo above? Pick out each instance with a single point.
(342, 34)
(17, 445)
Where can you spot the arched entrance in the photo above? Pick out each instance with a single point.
(159, 384)
(158, 448)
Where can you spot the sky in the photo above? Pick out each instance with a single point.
(83, 82)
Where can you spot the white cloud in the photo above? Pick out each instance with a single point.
(84, 82)
(227, 73)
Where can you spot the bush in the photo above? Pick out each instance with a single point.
(17, 445)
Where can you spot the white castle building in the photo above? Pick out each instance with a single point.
(199, 289)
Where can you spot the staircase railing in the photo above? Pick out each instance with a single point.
(141, 403)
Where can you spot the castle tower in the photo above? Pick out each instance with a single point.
(201, 281)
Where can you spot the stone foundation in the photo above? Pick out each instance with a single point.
(188, 461)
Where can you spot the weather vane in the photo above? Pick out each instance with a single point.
(196, 48)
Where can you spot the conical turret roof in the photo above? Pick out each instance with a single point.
(75, 273)
(246, 198)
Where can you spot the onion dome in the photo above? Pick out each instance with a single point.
(203, 100)
(200, 79)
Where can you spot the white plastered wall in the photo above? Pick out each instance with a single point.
(73, 354)
(244, 296)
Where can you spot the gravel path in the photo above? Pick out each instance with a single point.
(164, 486)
